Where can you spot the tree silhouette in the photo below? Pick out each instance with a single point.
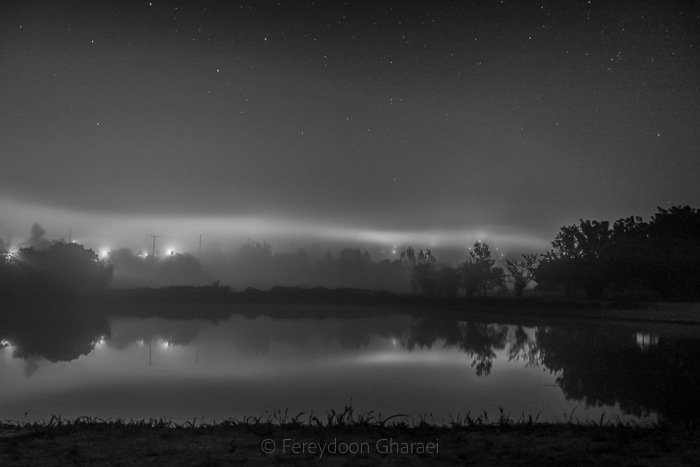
(408, 257)
(448, 281)
(674, 252)
(578, 259)
(181, 268)
(424, 277)
(521, 273)
(63, 269)
(662, 255)
(479, 272)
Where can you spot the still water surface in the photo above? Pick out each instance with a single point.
(390, 363)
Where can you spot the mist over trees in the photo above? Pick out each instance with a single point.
(37, 239)
(132, 270)
(254, 265)
(659, 259)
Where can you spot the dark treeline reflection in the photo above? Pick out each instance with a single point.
(644, 373)
(478, 340)
(58, 332)
(640, 372)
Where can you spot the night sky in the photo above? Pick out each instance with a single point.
(429, 123)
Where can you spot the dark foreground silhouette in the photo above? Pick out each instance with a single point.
(360, 440)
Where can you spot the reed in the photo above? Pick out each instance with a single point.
(346, 418)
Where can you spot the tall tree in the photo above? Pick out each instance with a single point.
(522, 272)
(479, 272)
(578, 259)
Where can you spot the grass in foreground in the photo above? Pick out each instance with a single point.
(342, 438)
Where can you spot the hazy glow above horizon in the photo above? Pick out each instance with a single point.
(104, 232)
(494, 121)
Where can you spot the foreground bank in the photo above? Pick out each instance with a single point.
(89, 443)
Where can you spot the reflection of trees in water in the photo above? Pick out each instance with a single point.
(128, 331)
(58, 333)
(259, 335)
(478, 340)
(595, 364)
(603, 366)
(523, 348)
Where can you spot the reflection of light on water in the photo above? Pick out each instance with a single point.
(411, 358)
(646, 340)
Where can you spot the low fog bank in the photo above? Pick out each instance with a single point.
(254, 265)
(210, 237)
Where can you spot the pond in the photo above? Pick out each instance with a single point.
(387, 362)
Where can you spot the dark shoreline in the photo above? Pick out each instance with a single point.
(215, 303)
(141, 302)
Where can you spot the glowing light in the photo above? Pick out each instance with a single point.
(646, 340)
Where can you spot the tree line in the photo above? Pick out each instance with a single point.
(630, 258)
(658, 259)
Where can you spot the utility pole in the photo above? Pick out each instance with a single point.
(154, 244)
